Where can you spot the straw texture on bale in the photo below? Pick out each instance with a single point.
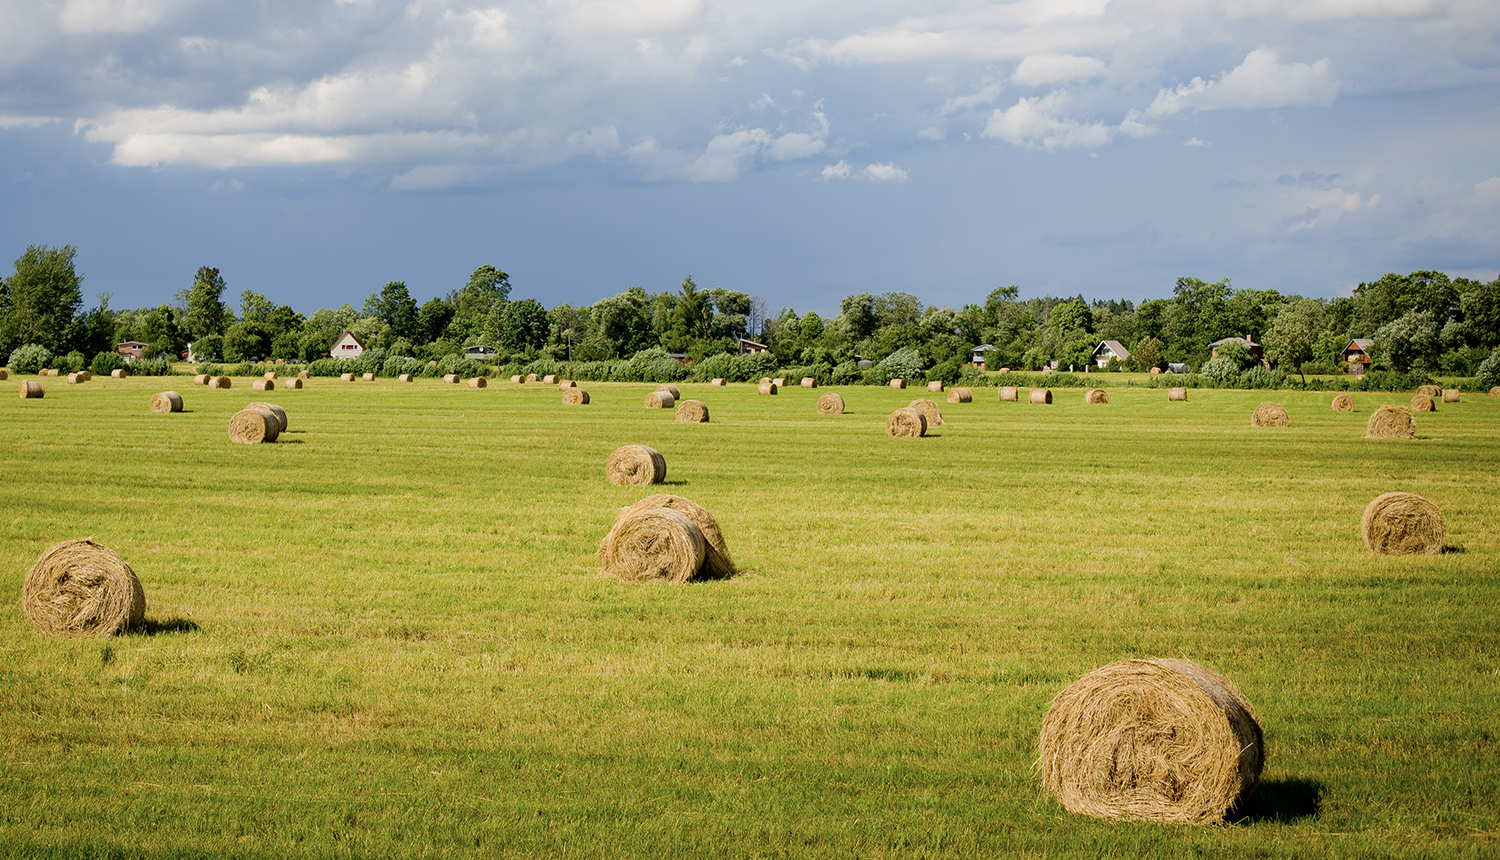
(549, 379)
(80, 589)
(1343, 403)
(779, 382)
(929, 411)
(765, 379)
(117, 373)
(1450, 395)
(405, 377)
(716, 563)
(1268, 414)
(276, 411)
(1391, 422)
(32, 389)
(830, 404)
(716, 381)
(565, 384)
(575, 397)
(672, 390)
(809, 382)
(478, 382)
(4, 374)
(200, 379)
(518, 379)
(253, 426)
(1177, 394)
(1096, 395)
(50, 372)
(166, 401)
(450, 378)
(1155, 371)
(659, 400)
(531, 377)
(960, 395)
(263, 385)
(270, 374)
(692, 412)
(220, 382)
(346, 377)
(1429, 390)
(302, 374)
(1151, 740)
(935, 386)
(75, 378)
(898, 383)
(293, 384)
(1403, 524)
(907, 423)
(367, 377)
(635, 465)
(1422, 403)
(1040, 395)
(1005, 370)
(767, 388)
(1009, 394)
(1495, 392)
(658, 544)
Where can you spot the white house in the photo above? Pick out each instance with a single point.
(977, 356)
(1108, 349)
(347, 346)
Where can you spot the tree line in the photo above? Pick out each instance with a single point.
(1422, 322)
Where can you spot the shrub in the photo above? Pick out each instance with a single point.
(159, 365)
(1489, 371)
(105, 362)
(719, 366)
(752, 366)
(30, 358)
(904, 363)
(208, 368)
(70, 363)
(1221, 370)
(847, 373)
(948, 371)
(245, 368)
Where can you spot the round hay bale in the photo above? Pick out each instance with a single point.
(293, 384)
(80, 589)
(655, 544)
(1005, 370)
(1009, 394)
(166, 401)
(575, 397)
(898, 383)
(1040, 395)
(75, 378)
(935, 386)
(1429, 390)
(405, 377)
(906, 423)
(549, 379)
(1495, 392)
(809, 382)
(32, 389)
(517, 379)
(478, 382)
(1450, 395)
(1096, 395)
(1176, 394)
(4, 374)
(717, 381)
(275, 410)
(1391, 422)
(660, 400)
(117, 373)
(672, 390)
(717, 564)
(765, 379)
(1343, 403)
(929, 411)
(1422, 403)
(630, 465)
(270, 374)
(263, 385)
(450, 378)
(302, 375)
(1155, 371)
(692, 412)
(1151, 740)
(85, 376)
(253, 426)
(531, 377)
(200, 379)
(1269, 414)
(960, 395)
(830, 404)
(367, 377)
(565, 384)
(221, 382)
(46, 371)
(779, 382)
(346, 377)
(1403, 524)
(767, 387)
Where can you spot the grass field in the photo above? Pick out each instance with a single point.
(385, 635)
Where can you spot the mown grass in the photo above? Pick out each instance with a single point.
(386, 636)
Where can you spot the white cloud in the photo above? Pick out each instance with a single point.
(763, 102)
(1259, 82)
(1037, 122)
(931, 133)
(870, 172)
(114, 16)
(1196, 141)
(1040, 69)
(26, 121)
(989, 90)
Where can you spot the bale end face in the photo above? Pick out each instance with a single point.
(1096, 395)
(898, 383)
(656, 544)
(1403, 524)
(1422, 403)
(166, 401)
(692, 412)
(961, 395)
(830, 404)
(907, 423)
(82, 589)
(659, 400)
(1041, 395)
(767, 388)
(1269, 415)
(1342, 403)
(635, 465)
(253, 427)
(1391, 422)
(716, 563)
(575, 397)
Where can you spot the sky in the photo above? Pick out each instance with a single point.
(313, 150)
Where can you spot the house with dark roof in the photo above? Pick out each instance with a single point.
(1356, 356)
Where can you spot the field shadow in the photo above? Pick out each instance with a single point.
(1453, 549)
(154, 627)
(674, 483)
(1281, 800)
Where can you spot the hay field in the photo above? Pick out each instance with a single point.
(385, 635)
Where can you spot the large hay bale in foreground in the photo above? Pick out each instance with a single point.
(478, 382)
(1429, 390)
(575, 397)
(635, 465)
(656, 544)
(717, 381)
(1391, 422)
(830, 404)
(1422, 403)
(1176, 394)
(1095, 395)
(1403, 524)
(293, 384)
(1268, 414)
(253, 426)
(263, 385)
(1151, 740)
(898, 383)
(935, 386)
(32, 389)
(1342, 403)
(692, 412)
(767, 387)
(672, 390)
(809, 382)
(274, 410)
(929, 411)
(1450, 395)
(81, 589)
(960, 395)
(166, 401)
(716, 564)
(906, 423)
(659, 400)
(117, 373)
(1010, 394)
(450, 379)
(1040, 395)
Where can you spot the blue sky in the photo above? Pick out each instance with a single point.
(797, 151)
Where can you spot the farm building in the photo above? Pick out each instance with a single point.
(1356, 356)
(978, 355)
(1250, 345)
(1108, 349)
(347, 346)
(748, 346)
(130, 350)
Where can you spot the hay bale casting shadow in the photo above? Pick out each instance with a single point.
(635, 465)
(1403, 524)
(81, 589)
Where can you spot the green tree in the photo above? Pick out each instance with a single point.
(255, 307)
(159, 328)
(205, 309)
(731, 313)
(1147, 353)
(857, 316)
(1386, 300)
(1480, 304)
(394, 306)
(39, 301)
(523, 325)
(1409, 342)
(1293, 334)
(474, 303)
(433, 319)
(623, 321)
(691, 318)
